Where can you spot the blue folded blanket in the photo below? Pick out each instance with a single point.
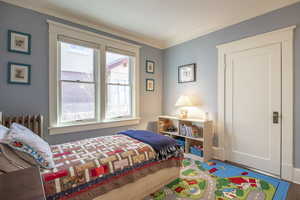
(164, 146)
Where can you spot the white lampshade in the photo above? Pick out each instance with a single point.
(183, 101)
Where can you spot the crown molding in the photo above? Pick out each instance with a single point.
(100, 27)
(160, 44)
(198, 33)
(86, 32)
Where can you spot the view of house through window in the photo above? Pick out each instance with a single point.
(118, 84)
(93, 81)
(78, 100)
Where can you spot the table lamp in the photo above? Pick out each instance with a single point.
(183, 102)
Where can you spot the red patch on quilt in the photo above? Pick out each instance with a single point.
(99, 170)
(119, 151)
(61, 154)
(114, 152)
(244, 173)
(144, 149)
(55, 175)
(106, 170)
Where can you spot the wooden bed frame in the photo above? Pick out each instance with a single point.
(143, 186)
(132, 191)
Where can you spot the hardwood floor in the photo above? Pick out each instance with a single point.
(294, 192)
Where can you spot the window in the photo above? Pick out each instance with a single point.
(118, 85)
(77, 83)
(93, 81)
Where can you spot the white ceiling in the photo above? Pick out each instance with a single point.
(159, 23)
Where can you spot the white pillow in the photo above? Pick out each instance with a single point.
(23, 139)
(3, 133)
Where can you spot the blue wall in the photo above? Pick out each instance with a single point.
(33, 99)
(203, 51)
(15, 99)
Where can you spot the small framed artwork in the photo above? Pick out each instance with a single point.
(187, 73)
(150, 66)
(19, 73)
(19, 42)
(150, 85)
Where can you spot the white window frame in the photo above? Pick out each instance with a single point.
(56, 29)
(96, 68)
(130, 84)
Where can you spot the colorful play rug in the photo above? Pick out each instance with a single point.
(220, 181)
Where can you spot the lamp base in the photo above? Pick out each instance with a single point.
(183, 114)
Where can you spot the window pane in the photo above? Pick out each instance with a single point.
(77, 62)
(118, 96)
(118, 101)
(117, 68)
(78, 101)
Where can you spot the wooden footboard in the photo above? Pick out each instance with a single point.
(143, 186)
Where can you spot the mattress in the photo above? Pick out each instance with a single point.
(88, 168)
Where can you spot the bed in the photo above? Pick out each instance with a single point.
(105, 168)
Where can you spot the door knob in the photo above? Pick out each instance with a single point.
(275, 117)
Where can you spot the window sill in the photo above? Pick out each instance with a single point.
(93, 126)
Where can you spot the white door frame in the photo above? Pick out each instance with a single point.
(285, 37)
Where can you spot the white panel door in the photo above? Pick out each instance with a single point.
(252, 97)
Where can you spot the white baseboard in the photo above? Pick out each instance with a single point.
(218, 153)
(296, 176)
(287, 172)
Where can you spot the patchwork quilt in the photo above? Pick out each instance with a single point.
(80, 165)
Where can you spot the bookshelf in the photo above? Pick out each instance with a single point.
(194, 135)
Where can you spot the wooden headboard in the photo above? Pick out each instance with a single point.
(33, 122)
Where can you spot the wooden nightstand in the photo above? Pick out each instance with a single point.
(24, 184)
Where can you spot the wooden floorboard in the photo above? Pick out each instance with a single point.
(294, 192)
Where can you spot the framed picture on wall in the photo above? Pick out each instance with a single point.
(150, 66)
(19, 42)
(187, 73)
(19, 73)
(150, 85)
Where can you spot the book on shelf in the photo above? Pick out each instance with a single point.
(185, 130)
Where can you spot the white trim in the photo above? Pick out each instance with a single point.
(95, 25)
(92, 126)
(296, 175)
(285, 37)
(63, 28)
(217, 153)
(198, 33)
(56, 29)
(287, 169)
(160, 44)
(136, 86)
(277, 36)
